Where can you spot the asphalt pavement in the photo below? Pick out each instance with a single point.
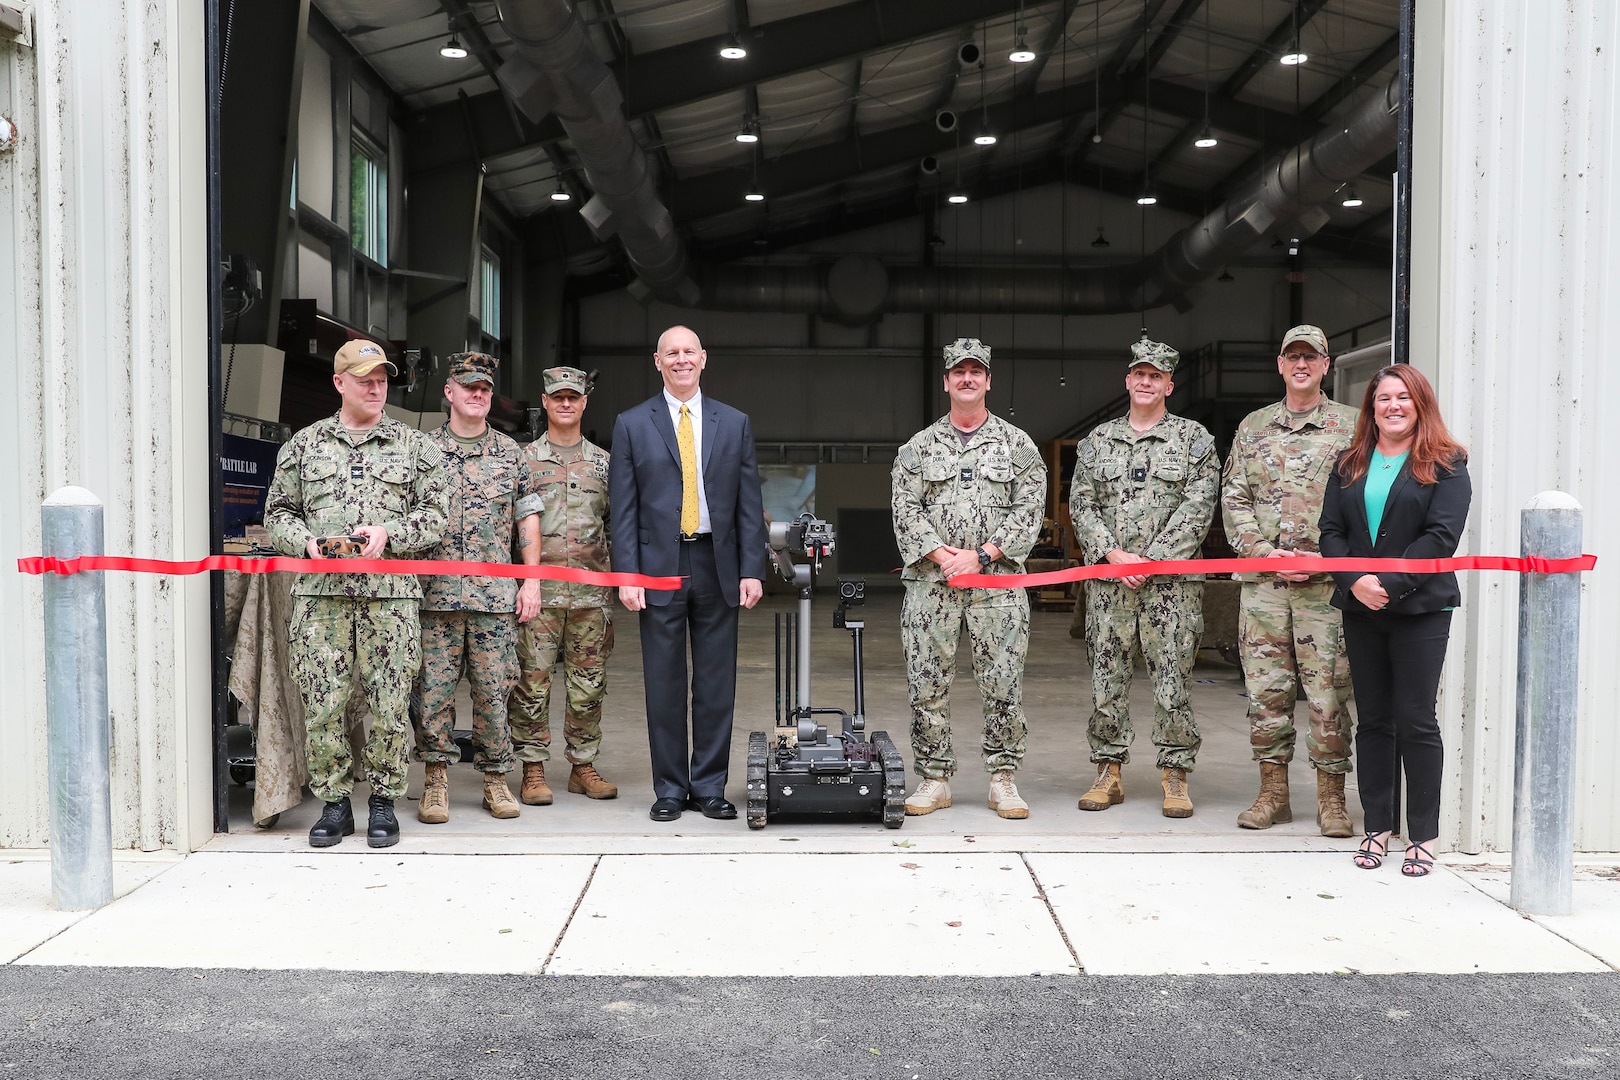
(99, 1022)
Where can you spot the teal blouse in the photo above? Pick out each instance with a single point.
(1381, 474)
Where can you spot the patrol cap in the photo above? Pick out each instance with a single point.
(566, 378)
(1310, 335)
(470, 367)
(966, 348)
(1157, 353)
(359, 356)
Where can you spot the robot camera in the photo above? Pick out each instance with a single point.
(851, 591)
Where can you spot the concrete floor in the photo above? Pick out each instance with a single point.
(1057, 696)
(600, 890)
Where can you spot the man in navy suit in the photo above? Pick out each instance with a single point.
(686, 502)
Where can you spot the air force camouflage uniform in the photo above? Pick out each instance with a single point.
(1272, 497)
(468, 622)
(1153, 494)
(575, 623)
(328, 482)
(990, 490)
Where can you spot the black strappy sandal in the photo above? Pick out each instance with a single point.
(1370, 855)
(1415, 866)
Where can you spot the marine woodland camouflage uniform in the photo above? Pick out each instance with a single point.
(328, 482)
(1153, 494)
(1271, 498)
(990, 491)
(468, 622)
(575, 623)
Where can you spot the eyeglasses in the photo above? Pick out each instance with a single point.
(1302, 358)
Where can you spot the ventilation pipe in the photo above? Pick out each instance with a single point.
(554, 69)
(1290, 189)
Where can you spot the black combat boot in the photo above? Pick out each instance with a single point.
(337, 821)
(384, 828)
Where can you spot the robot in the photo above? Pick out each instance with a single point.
(802, 769)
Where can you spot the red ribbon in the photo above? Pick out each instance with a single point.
(49, 564)
(1309, 564)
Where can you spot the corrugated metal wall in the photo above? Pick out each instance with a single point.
(104, 366)
(1518, 109)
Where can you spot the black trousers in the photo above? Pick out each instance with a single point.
(1395, 661)
(697, 611)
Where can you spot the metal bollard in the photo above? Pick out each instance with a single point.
(79, 732)
(1549, 687)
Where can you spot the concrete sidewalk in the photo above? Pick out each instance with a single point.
(586, 887)
(888, 905)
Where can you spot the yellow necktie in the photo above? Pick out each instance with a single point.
(689, 473)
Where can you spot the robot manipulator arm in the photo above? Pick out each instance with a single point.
(806, 536)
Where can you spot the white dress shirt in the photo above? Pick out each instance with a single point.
(695, 407)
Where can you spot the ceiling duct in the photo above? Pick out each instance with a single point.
(1289, 190)
(555, 70)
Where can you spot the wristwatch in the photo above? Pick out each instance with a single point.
(984, 557)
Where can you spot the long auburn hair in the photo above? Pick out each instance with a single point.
(1432, 444)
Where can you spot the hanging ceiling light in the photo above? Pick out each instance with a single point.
(1206, 139)
(748, 134)
(1022, 53)
(1295, 58)
(561, 194)
(1147, 198)
(754, 194)
(1226, 275)
(1351, 199)
(733, 49)
(453, 49)
(957, 197)
(985, 137)
(1101, 241)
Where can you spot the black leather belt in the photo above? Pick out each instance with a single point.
(692, 538)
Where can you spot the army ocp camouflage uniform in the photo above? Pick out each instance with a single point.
(1271, 498)
(328, 482)
(990, 490)
(1152, 494)
(575, 624)
(468, 622)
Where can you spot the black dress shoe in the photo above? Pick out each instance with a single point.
(384, 828)
(337, 821)
(665, 810)
(713, 806)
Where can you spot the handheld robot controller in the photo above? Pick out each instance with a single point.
(801, 768)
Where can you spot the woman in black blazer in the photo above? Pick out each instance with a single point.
(1400, 491)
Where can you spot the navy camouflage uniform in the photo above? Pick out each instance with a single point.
(1153, 494)
(989, 491)
(328, 482)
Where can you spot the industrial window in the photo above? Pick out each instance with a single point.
(368, 203)
(489, 294)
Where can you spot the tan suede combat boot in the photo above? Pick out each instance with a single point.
(1271, 805)
(498, 797)
(1004, 799)
(1107, 791)
(1331, 816)
(535, 790)
(1177, 803)
(585, 780)
(930, 795)
(434, 807)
